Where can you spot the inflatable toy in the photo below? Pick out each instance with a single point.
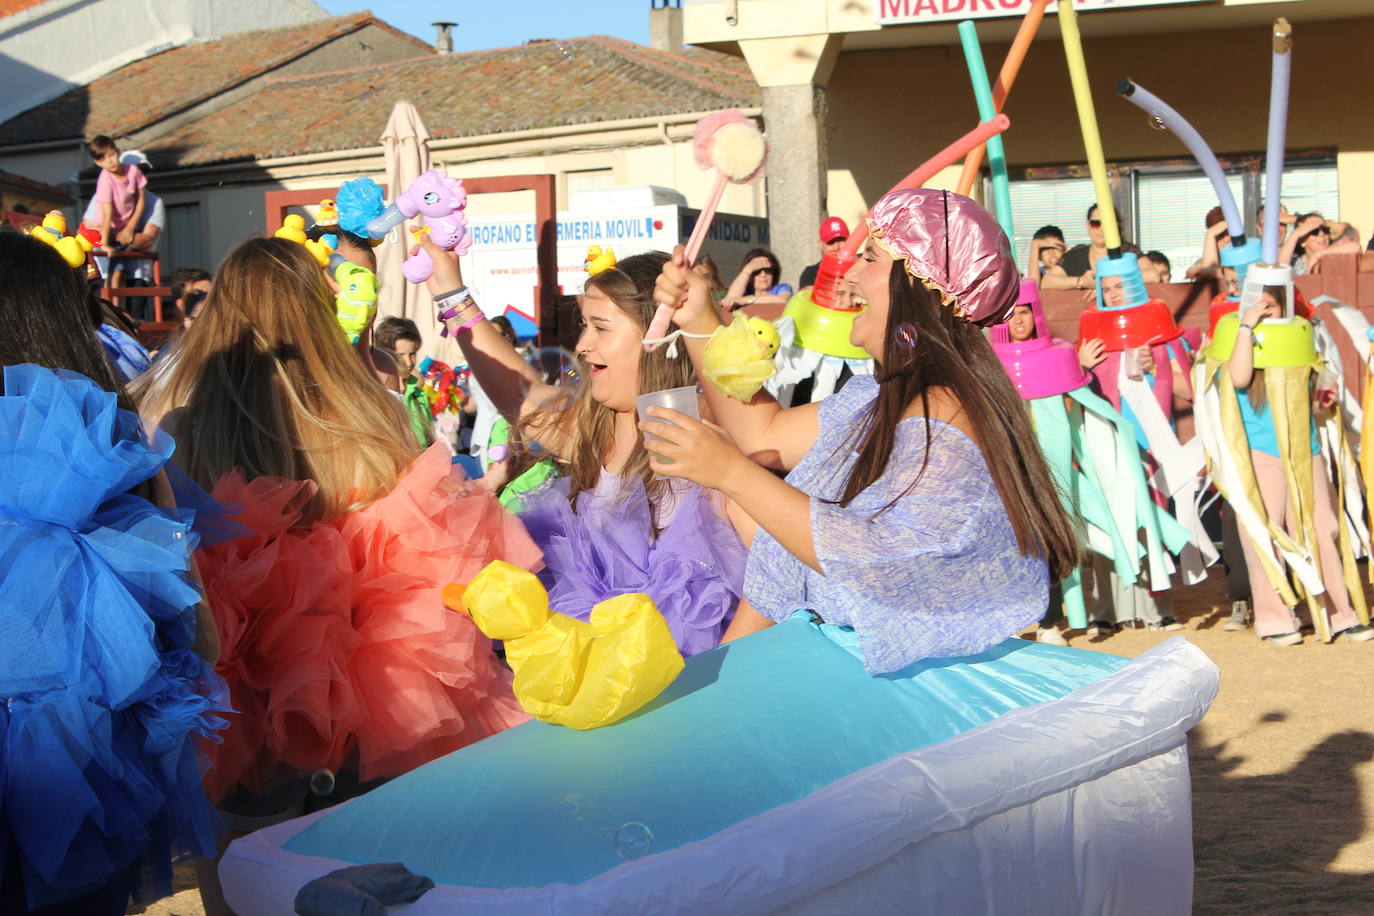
(775, 775)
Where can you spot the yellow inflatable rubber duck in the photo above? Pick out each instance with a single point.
(739, 356)
(293, 230)
(581, 674)
(598, 260)
(72, 248)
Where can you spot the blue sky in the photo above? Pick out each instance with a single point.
(501, 24)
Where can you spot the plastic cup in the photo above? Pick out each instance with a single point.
(682, 399)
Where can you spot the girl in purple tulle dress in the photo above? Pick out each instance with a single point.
(608, 526)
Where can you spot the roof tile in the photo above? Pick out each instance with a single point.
(543, 84)
(148, 90)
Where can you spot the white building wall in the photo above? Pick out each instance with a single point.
(48, 48)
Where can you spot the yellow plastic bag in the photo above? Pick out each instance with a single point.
(739, 357)
(582, 674)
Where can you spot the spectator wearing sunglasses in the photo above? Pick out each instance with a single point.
(1075, 271)
(1311, 240)
(190, 286)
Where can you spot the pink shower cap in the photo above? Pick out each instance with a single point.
(953, 246)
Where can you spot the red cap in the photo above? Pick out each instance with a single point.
(833, 228)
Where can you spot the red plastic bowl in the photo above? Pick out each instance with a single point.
(1125, 329)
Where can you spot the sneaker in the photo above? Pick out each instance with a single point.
(1053, 637)
(1358, 633)
(1167, 624)
(1240, 617)
(1285, 639)
(1101, 628)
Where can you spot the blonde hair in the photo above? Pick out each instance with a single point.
(589, 425)
(269, 385)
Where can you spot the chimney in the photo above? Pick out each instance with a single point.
(443, 37)
(665, 25)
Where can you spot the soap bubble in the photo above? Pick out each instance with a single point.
(633, 840)
(1157, 121)
(556, 366)
(322, 782)
(907, 335)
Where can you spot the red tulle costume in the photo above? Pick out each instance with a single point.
(335, 641)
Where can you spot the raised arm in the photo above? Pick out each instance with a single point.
(769, 434)
(513, 385)
(1241, 365)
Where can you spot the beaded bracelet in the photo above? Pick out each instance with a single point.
(458, 306)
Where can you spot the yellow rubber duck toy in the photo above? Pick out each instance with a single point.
(598, 260)
(580, 674)
(293, 230)
(73, 248)
(328, 216)
(739, 356)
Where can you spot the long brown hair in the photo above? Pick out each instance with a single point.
(952, 353)
(587, 424)
(270, 385)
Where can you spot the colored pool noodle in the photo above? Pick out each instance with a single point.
(923, 172)
(1153, 105)
(1278, 123)
(1030, 23)
(982, 93)
(1087, 122)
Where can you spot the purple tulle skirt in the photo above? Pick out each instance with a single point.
(693, 569)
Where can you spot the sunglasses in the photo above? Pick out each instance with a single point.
(1095, 223)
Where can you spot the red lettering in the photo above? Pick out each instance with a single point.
(973, 5)
(925, 6)
(953, 6)
(1014, 5)
(893, 8)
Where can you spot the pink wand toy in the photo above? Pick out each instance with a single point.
(731, 144)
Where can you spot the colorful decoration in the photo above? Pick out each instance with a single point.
(598, 260)
(355, 305)
(580, 674)
(731, 144)
(440, 200)
(53, 231)
(739, 356)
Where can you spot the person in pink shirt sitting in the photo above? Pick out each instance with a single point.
(119, 192)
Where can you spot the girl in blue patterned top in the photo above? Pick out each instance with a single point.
(918, 510)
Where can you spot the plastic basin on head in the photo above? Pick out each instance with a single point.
(821, 329)
(1042, 368)
(1287, 343)
(1128, 328)
(1221, 305)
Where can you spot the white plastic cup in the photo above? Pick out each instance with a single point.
(682, 399)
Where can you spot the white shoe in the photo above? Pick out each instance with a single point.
(1050, 635)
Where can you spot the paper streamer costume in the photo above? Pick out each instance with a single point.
(1092, 453)
(582, 674)
(1138, 321)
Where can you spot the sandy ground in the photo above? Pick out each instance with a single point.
(1283, 770)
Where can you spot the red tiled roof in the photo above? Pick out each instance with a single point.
(19, 182)
(543, 84)
(148, 90)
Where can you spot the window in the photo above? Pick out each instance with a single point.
(1171, 211)
(589, 180)
(1061, 202)
(184, 240)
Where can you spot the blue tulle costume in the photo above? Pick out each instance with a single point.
(102, 701)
